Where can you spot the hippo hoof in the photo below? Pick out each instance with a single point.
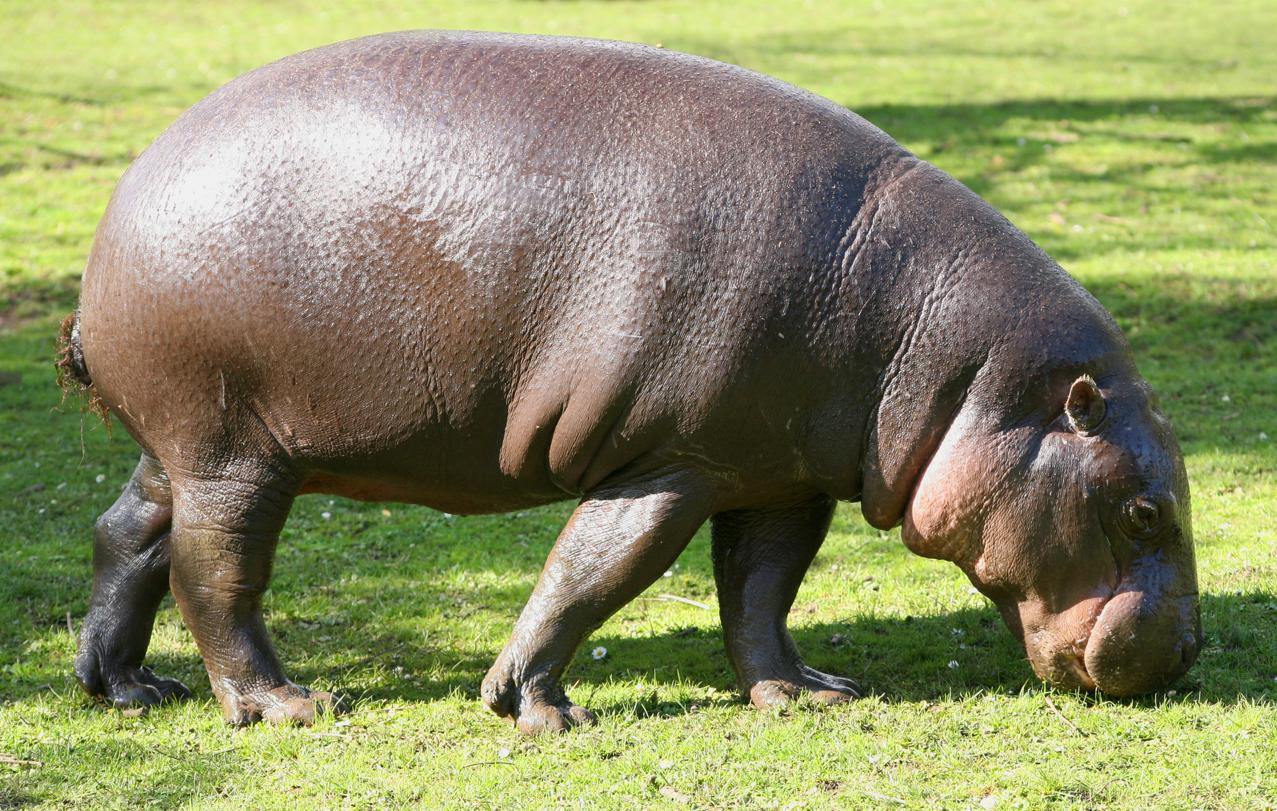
(540, 718)
(127, 687)
(142, 688)
(532, 711)
(819, 687)
(289, 704)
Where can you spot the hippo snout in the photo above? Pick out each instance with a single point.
(1141, 644)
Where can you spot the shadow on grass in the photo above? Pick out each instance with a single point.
(16, 798)
(951, 656)
(11, 91)
(961, 655)
(900, 658)
(1208, 345)
(790, 46)
(1011, 136)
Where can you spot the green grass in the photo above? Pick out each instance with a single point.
(1137, 144)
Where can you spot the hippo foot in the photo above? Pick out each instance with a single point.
(533, 710)
(126, 687)
(538, 718)
(287, 704)
(820, 687)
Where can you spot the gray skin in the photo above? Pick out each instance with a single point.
(486, 272)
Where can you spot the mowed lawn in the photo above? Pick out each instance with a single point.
(1137, 142)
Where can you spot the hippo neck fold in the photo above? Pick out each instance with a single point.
(980, 318)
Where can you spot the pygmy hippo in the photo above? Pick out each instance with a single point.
(484, 272)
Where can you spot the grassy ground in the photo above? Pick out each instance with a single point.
(1137, 143)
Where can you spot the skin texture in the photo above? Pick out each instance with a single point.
(484, 272)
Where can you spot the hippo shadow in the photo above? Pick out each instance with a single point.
(952, 656)
(969, 653)
(958, 654)
(900, 659)
(381, 655)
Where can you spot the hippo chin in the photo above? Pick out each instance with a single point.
(484, 272)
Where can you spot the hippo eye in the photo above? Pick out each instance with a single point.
(1085, 406)
(1141, 517)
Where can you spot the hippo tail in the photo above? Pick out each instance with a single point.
(73, 372)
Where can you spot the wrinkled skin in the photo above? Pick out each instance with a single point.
(484, 272)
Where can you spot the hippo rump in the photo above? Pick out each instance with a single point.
(484, 272)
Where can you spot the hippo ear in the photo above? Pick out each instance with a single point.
(1085, 407)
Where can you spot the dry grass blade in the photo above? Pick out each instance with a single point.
(1062, 716)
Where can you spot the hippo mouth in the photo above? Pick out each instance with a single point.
(1141, 643)
(1074, 656)
(1130, 643)
(1072, 660)
(1077, 677)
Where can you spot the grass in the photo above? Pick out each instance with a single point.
(1136, 143)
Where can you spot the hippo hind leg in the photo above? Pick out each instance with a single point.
(760, 557)
(223, 546)
(618, 542)
(130, 578)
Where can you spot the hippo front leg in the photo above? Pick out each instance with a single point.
(760, 557)
(617, 543)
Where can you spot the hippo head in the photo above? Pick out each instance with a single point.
(1069, 508)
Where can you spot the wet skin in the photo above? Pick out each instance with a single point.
(485, 272)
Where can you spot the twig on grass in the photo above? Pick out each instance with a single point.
(1061, 716)
(489, 763)
(10, 760)
(70, 627)
(672, 598)
(882, 797)
(199, 753)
